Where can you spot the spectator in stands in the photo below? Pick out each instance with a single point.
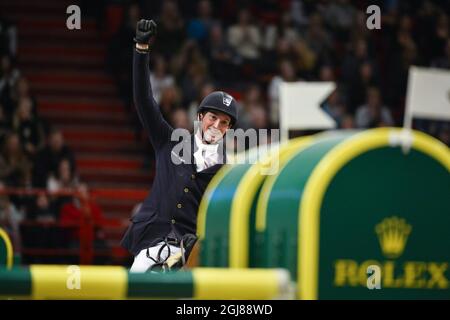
(5, 125)
(65, 179)
(259, 117)
(180, 119)
(255, 107)
(191, 69)
(171, 28)
(48, 159)
(286, 74)
(326, 73)
(10, 219)
(284, 51)
(357, 89)
(245, 37)
(73, 211)
(224, 61)
(170, 100)
(305, 59)
(318, 39)
(207, 88)
(358, 73)
(335, 107)
(357, 55)
(424, 22)
(42, 209)
(348, 122)
(192, 82)
(299, 14)
(340, 16)
(159, 77)
(398, 69)
(199, 27)
(443, 62)
(359, 28)
(253, 95)
(22, 91)
(42, 232)
(440, 34)
(249, 118)
(83, 207)
(284, 30)
(15, 168)
(373, 113)
(268, 11)
(28, 127)
(8, 78)
(8, 38)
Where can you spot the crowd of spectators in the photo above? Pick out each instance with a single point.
(33, 154)
(249, 47)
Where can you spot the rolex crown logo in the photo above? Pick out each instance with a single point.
(393, 234)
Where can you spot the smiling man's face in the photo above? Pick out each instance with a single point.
(214, 125)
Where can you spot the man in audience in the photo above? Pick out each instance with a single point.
(48, 159)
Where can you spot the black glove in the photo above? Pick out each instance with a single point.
(145, 29)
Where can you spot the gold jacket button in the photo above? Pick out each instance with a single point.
(173, 221)
(179, 206)
(186, 190)
(193, 176)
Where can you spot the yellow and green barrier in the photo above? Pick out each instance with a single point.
(341, 203)
(107, 282)
(227, 212)
(275, 227)
(366, 201)
(6, 250)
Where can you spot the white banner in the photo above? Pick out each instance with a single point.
(428, 95)
(300, 106)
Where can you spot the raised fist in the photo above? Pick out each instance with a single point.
(145, 29)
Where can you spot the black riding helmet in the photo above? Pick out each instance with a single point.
(220, 101)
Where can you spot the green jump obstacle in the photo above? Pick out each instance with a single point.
(6, 250)
(227, 212)
(351, 215)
